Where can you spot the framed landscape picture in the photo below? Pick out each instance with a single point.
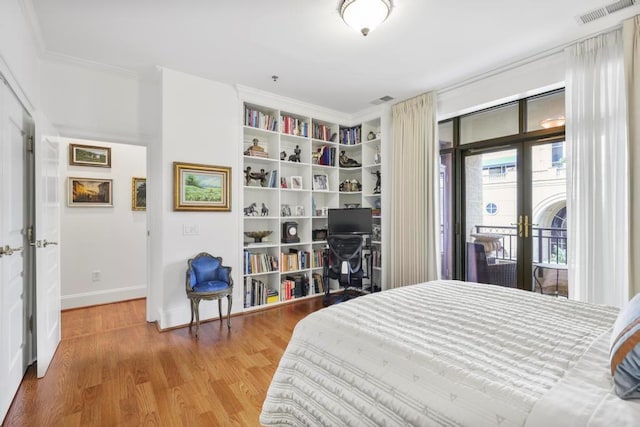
(89, 155)
(90, 192)
(138, 194)
(201, 187)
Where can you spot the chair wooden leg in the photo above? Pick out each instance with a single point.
(191, 303)
(196, 305)
(229, 301)
(220, 309)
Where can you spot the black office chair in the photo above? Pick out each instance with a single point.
(343, 262)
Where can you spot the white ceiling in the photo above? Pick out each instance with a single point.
(424, 45)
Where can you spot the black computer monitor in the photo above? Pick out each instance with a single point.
(350, 221)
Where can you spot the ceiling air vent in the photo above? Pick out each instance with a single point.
(382, 100)
(604, 11)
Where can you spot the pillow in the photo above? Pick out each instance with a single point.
(624, 352)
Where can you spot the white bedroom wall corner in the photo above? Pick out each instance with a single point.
(200, 124)
(150, 115)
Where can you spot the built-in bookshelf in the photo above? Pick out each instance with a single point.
(295, 169)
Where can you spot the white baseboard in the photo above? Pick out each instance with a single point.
(86, 299)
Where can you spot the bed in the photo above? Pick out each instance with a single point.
(450, 353)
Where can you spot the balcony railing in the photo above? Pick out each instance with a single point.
(549, 243)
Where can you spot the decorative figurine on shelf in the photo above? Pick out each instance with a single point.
(295, 157)
(264, 211)
(376, 189)
(376, 158)
(255, 176)
(283, 155)
(255, 150)
(251, 210)
(371, 136)
(350, 185)
(347, 162)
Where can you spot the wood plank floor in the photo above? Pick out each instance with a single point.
(113, 368)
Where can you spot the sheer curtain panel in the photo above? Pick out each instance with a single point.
(597, 187)
(415, 222)
(631, 41)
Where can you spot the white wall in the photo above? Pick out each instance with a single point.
(200, 124)
(110, 240)
(92, 102)
(19, 53)
(502, 86)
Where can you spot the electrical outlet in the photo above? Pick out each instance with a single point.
(189, 230)
(96, 276)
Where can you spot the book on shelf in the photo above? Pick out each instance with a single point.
(273, 178)
(294, 126)
(300, 285)
(318, 283)
(256, 262)
(350, 136)
(258, 119)
(256, 292)
(321, 131)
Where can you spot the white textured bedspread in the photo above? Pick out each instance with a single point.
(438, 353)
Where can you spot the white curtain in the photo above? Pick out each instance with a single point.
(415, 222)
(631, 41)
(597, 187)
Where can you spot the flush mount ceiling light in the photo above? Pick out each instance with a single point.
(365, 15)
(553, 122)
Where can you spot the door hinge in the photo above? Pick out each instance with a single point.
(30, 144)
(30, 323)
(30, 235)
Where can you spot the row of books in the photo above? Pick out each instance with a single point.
(258, 119)
(318, 259)
(322, 132)
(350, 136)
(256, 292)
(294, 286)
(294, 126)
(294, 260)
(326, 155)
(259, 263)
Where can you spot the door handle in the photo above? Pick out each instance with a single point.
(45, 243)
(527, 224)
(519, 224)
(7, 250)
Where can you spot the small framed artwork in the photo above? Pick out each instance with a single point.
(138, 194)
(321, 182)
(285, 210)
(90, 192)
(89, 155)
(296, 182)
(299, 210)
(201, 187)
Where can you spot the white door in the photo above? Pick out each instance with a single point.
(47, 196)
(13, 354)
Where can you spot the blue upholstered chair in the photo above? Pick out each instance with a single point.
(208, 279)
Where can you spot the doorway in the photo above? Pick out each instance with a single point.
(503, 195)
(515, 216)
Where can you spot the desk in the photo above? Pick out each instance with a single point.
(556, 267)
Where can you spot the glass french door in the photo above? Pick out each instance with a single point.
(514, 216)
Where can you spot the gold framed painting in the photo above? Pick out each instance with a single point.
(90, 192)
(201, 187)
(138, 194)
(89, 155)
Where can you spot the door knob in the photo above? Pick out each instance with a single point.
(45, 243)
(7, 250)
